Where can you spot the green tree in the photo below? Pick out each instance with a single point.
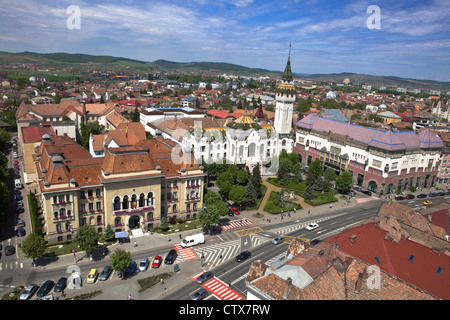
(211, 214)
(257, 180)
(108, 235)
(242, 176)
(87, 238)
(251, 195)
(225, 181)
(237, 194)
(330, 174)
(135, 115)
(344, 181)
(120, 259)
(315, 169)
(283, 171)
(308, 193)
(33, 246)
(163, 224)
(90, 128)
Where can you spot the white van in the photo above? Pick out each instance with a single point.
(190, 241)
(18, 183)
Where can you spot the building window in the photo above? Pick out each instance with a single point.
(116, 203)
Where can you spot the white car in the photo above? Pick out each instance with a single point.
(312, 226)
(144, 264)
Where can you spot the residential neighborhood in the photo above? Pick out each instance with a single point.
(325, 191)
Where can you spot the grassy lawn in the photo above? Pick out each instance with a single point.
(151, 281)
(273, 204)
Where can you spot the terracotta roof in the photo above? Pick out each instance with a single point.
(34, 134)
(407, 260)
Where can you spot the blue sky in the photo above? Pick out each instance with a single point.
(327, 36)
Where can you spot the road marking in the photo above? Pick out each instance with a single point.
(186, 253)
(246, 232)
(237, 224)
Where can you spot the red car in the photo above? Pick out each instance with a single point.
(235, 210)
(156, 262)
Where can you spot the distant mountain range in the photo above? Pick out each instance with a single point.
(83, 61)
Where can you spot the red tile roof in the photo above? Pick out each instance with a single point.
(371, 244)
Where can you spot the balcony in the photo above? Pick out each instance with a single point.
(134, 210)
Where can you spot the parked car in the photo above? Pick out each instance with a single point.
(312, 226)
(409, 196)
(20, 232)
(278, 240)
(143, 265)
(60, 284)
(18, 197)
(10, 250)
(433, 194)
(234, 210)
(441, 194)
(208, 275)
(243, 256)
(106, 272)
(20, 210)
(356, 188)
(156, 262)
(45, 288)
(20, 223)
(422, 195)
(200, 294)
(132, 267)
(19, 203)
(366, 192)
(399, 198)
(171, 256)
(92, 276)
(28, 292)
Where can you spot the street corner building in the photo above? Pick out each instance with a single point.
(380, 161)
(131, 188)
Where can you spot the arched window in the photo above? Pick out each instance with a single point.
(241, 151)
(55, 215)
(58, 227)
(67, 226)
(174, 208)
(150, 199)
(251, 150)
(117, 221)
(62, 212)
(141, 200)
(133, 201)
(99, 219)
(125, 202)
(188, 207)
(117, 203)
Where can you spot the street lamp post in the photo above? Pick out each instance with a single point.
(73, 244)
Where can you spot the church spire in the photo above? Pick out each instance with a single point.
(287, 75)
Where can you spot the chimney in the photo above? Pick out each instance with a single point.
(287, 288)
(353, 238)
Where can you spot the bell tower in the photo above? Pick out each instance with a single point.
(285, 98)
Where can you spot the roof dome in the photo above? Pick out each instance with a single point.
(244, 122)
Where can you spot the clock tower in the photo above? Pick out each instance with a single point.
(285, 98)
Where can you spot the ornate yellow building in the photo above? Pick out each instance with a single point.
(131, 188)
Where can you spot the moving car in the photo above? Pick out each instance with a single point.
(200, 294)
(92, 276)
(60, 284)
(143, 265)
(171, 256)
(28, 292)
(193, 240)
(106, 272)
(156, 262)
(45, 288)
(278, 240)
(208, 275)
(243, 256)
(312, 226)
(314, 242)
(427, 203)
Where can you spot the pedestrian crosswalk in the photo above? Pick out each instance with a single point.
(367, 199)
(186, 253)
(237, 224)
(219, 289)
(11, 265)
(215, 254)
